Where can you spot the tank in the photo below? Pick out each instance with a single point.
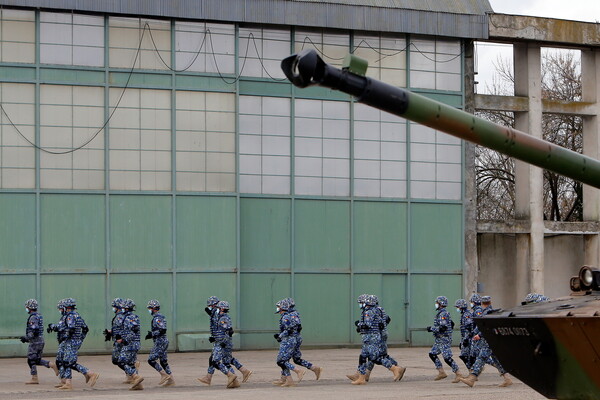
(552, 346)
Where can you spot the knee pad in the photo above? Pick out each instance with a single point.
(433, 357)
(362, 359)
(449, 361)
(152, 363)
(30, 362)
(164, 364)
(281, 364)
(377, 361)
(297, 360)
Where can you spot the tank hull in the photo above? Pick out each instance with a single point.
(557, 356)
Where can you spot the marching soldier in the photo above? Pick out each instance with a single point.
(290, 341)
(129, 339)
(34, 335)
(466, 332)
(442, 333)
(158, 333)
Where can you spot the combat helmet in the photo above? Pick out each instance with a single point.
(32, 304)
(442, 301)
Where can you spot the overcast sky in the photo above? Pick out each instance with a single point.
(579, 10)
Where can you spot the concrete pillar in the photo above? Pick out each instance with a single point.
(590, 90)
(529, 203)
(471, 268)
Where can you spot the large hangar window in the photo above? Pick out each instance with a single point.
(261, 52)
(17, 36)
(386, 56)
(205, 47)
(435, 64)
(139, 42)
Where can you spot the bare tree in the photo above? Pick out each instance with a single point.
(561, 81)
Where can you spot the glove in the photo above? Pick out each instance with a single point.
(230, 332)
(136, 329)
(276, 336)
(123, 341)
(387, 319)
(356, 322)
(381, 326)
(107, 335)
(452, 323)
(299, 329)
(428, 329)
(211, 339)
(85, 330)
(162, 331)
(51, 328)
(148, 335)
(24, 339)
(465, 343)
(207, 310)
(442, 329)
(223, 344)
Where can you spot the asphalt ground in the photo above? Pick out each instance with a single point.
(417, 382)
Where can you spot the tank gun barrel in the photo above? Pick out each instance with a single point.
(307, 69)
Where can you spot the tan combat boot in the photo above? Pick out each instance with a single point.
(441, 375)
(317, 371)
(368, 375)
(136, 380)
(289, 382)
(245, 374)
(507, 382)
(67, 385)
(206, 379)
(279, 381)
(360, 381)
(354, 376)
(169, 382)
(469, 380)
(54, 367)
(457, 376)
(33, 381)
(163, 377)
(232, 381)
(91, 378)
(398, 372)
(128, 379)
(299, 373)
(139, 386)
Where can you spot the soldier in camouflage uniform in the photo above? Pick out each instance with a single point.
(442, 334)
(34, 335)
(213, 312)
(466, 332)
(158, 333)
(71, 331)
(476, 311)
(223, 345)
(129, 339)
(370, 326)
(116, 326)
(484, 354)
(384, 336)
(290, 341)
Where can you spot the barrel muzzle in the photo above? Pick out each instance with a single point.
(304, 69)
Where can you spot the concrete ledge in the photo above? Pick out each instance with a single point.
(13, 348)
(199, 341)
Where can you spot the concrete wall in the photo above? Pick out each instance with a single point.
(563, 255)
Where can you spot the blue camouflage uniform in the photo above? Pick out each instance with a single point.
(384, 335)
(34, 335)
(290, 339)
(158, 333)
(130, 335)
(71, 335)
(476, 311)
(223, 344)
(370, 326)
(466, 332)
(442, 334)
(117, 331)
(484, 354)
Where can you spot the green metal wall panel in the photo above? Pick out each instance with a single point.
(380, 239)
(140, 229)
(14, 291)
(204, 83)
(72, 232)
(206, 232)
(141, 288)
(265, 234)
(391, 290)
(89, 291)
(322, 300)
(424, 290)
(157, 80)
(258, 294)
(17, 74)
(322, 235)
(17, 232)
(192, 291)
(264, 88)
(436, 237)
